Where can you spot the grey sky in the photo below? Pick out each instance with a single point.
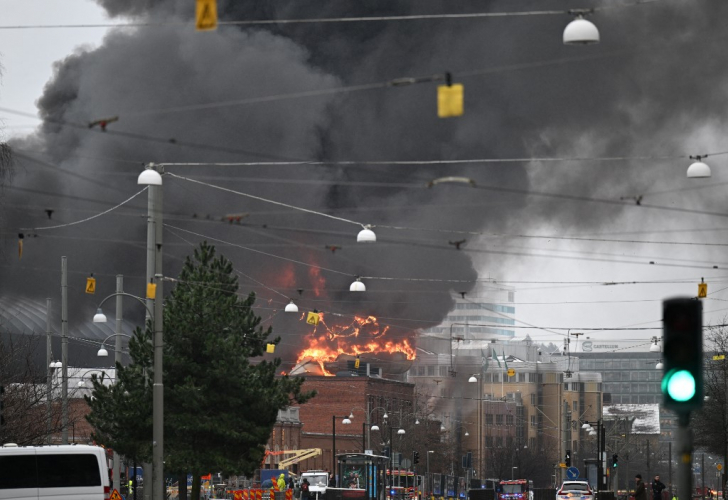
(652, 88)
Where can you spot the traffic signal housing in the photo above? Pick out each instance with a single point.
(567, 458)
(415, 457)
(615, 461)
(682, 378)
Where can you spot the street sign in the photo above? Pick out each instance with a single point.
(572, 473)
(511, 372)
(719, 466)
(562, 465)
(115, 495)
(91, 285)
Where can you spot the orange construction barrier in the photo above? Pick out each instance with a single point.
(243, 495)
(258, 494)
(238, 495)
(289, 495)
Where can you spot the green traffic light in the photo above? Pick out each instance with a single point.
(679, 385)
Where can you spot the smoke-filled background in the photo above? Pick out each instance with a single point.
(650, 94)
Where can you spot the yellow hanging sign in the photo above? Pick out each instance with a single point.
(151, 290)
(702, 290)
(312, 318)
(511, 372)
(206, 15)
(356, 362)
(91, 285)
(450, 100)
(270, 348)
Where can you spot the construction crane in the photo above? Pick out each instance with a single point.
(298, 455)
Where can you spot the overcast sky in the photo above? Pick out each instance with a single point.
(651, 91)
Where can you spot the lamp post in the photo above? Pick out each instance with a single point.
(428, 482)
(601, 450)
(512, 469)
(152, 177)
(367, 438)
(345, 421)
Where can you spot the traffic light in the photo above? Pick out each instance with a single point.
(682, 379)
(567, 458)
(385, 452)
(615, 460)
(415, 457)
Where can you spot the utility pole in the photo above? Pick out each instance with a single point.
(64, 350)
(49, 371)
(117, 362)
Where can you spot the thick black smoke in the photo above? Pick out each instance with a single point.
(640, 92)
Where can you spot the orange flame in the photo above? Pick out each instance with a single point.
(363, 335)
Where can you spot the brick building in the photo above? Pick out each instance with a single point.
(362, 397)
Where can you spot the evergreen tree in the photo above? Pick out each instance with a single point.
(219, 407)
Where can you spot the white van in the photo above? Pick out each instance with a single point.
(66, 472)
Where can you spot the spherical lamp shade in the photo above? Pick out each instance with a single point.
(150, 177)
(102, 352)
(346, 421)
(581, 32)
(467, 433)
(366, 235)
(698, 170)
(385, 416)
(57, 364)
(655, 347)
(99, 317)
(375, 427)
(291, 308)
(417, 421)
(586, 426)
(81, 383)
(357, 286)
(659, 366)
(472, 379)
(400, 432)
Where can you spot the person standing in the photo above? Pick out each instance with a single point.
(304, 489)
(640, 493)
(657, 487)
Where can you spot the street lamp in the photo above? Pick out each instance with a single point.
(580, 31)
(428, 484)
(367, 427)
(345, 421)
(152, 178)
(600, 432)
(103, 353)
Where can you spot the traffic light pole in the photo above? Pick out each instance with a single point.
(685, 456)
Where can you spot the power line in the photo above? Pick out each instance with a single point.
(262, 22)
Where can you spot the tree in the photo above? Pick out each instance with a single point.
(220, 407)
(710, 424)
(26, 416)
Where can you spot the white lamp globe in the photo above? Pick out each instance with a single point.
(150, 177)
(375, 427)
(102, 352)
(99, 317)
(655, 347)
(659, 366)
(400, 432)
(581, 32)
(366, 235)
(357, 286)
(698, 170)
(291, 307)
(346, 421)
(472, 379)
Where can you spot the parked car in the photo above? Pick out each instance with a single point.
(575, 490)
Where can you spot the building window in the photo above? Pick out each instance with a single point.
(576, 406)
(431, 370)
(533, 399)
(499, 441)
(533, 421)
(532, 443)
(499, 419)
(509, 419)
(488, 441)
(488, 419)
(443, 370)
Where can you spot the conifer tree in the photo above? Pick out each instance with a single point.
(220, 399)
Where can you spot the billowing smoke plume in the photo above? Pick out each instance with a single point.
(626, 97)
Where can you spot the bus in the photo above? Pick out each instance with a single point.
(515, 489)
(402, 484)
